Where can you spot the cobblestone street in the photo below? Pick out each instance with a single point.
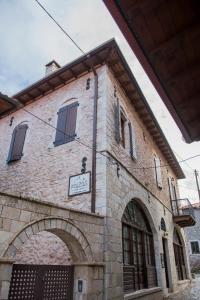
(195, 291)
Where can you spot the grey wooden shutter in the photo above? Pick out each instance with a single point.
(171, 192)
(66, 124)
(158, 172)
(17, 143)
(132, 139)
(117, 122)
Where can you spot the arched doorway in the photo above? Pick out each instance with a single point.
(138, 249)
(179, 256)
(36, 281)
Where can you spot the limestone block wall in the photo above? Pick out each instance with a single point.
(44, 248)
(43, 171)
(32, 231)
(120, 191)
(145, 145)
(16, 214)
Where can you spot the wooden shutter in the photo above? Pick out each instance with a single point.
(17, 143)
(158, 172)
(171, 192)
(132, 139)
(66, 124)
(117, 122)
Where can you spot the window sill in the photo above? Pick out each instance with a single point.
(56, 144)
(140, 293)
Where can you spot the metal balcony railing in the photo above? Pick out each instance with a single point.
(181, 207)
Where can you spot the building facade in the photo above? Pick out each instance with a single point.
(193, 241)
(89, 185)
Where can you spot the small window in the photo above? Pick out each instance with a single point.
(66, 124)
(17, 143)
(158, 171)
(195, 247)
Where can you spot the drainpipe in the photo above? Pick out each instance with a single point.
(94, 143)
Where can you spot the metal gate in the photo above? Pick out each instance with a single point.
(41, 282)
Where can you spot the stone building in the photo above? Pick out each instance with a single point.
(88, 189)
(193, 240)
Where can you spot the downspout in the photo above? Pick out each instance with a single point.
(94, 143)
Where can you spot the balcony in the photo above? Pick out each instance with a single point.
(183, 212)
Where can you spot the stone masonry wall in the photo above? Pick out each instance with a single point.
(16, 213)
(145, 145)
(22, 225)
(43, 248)
(120, 191)
(140, 185)
(43, 171)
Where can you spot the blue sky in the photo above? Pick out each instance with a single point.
(29, 40)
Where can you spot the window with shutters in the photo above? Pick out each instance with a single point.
(138, 250)
(66, 124)
(17, 143)
(195, 247)
(158, 173)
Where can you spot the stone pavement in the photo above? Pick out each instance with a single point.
(195, 290)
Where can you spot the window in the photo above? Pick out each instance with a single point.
(179, 256)
(132, 138)
(66, 124)
(138, 250)
(158, 172)
(122, 129)
(172, 188)
(17, 143)
(195, 247)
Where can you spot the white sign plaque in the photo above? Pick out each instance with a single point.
(79, 184)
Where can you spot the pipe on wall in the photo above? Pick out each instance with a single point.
(94, 142)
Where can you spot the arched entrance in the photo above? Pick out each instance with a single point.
(179, 255)
(138, 249)
(47, 282)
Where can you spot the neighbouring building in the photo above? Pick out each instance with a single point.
(88, 189)
(193, 240)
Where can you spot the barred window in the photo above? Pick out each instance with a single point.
(138, 250)
(195, 247)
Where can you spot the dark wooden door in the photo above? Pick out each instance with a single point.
(41, 282)
(164, 241)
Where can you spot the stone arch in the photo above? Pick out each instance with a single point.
(71, 235)
(184, 248)
(137, 197)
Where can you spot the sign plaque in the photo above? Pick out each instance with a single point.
(79, 184)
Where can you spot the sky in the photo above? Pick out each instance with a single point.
(30, 39)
